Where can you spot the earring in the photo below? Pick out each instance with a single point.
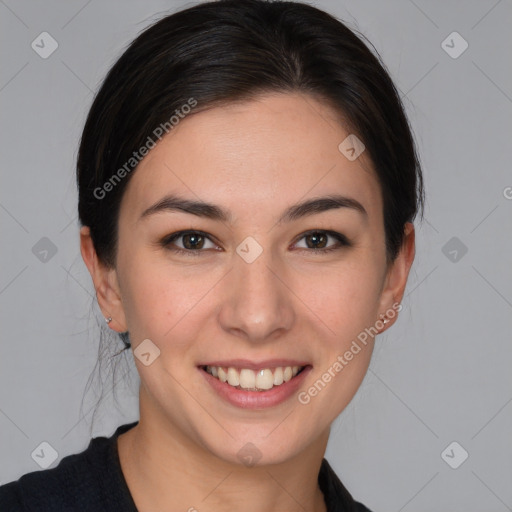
(384, 319)
(108, 320)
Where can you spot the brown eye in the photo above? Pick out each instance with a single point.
(316, 241)
(192, 242)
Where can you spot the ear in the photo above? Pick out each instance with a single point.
(105, 283)
(397, 274)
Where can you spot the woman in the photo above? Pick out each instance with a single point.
(247, 185)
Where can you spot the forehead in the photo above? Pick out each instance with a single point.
(254, 156)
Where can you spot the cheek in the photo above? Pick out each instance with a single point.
(344, 298)
(346, 302)
(163, 303)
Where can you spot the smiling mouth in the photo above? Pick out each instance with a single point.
(250, 380)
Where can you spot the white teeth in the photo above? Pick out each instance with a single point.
(264, 379)
(261, 380)
(233, 377)
(247, 379)
(222, 375)
(278, 376)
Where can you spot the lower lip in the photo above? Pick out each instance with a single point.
(256, 399)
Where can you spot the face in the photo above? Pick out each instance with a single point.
(256, 289)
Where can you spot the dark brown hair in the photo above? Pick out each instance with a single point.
(233, 50)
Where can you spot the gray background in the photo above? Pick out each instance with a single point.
(441, 374)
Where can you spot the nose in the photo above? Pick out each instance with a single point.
(257, 304)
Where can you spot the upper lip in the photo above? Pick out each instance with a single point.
(255, 365)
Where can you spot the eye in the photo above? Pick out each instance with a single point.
(319, 239)
(192, 242)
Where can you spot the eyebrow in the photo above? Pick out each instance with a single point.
(173, 203)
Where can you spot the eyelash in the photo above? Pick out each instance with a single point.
(169, 239)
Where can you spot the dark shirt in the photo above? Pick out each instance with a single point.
(92, 481)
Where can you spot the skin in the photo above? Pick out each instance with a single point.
(254, 159)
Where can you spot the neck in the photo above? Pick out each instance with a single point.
(166, 470)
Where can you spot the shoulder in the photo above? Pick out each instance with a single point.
(337, 497)
(52, 489)
(361, 508)
(87, 481)
(10, 498)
